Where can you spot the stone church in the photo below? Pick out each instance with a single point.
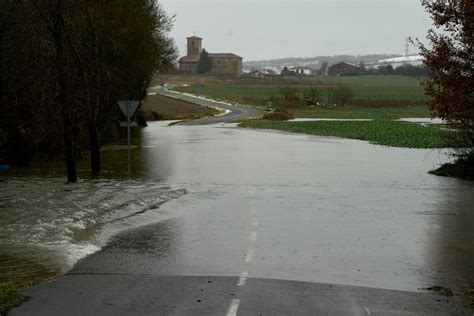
(222, 63)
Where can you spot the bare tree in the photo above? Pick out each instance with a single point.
(340, 95)
(52, 12)
(313, 95)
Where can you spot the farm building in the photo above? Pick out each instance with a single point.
(302, 71)
(415, 60)
(344, 69)
(222, 63)
(256, 74)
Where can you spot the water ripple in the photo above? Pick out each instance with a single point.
(47, 225)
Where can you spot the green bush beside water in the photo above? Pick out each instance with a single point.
(9, 297)
(380, 132)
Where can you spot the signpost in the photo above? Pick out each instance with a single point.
(128, 108)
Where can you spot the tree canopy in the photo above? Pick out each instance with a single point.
(449, 57)
(63, 66)
(287, 72)
(205, 64)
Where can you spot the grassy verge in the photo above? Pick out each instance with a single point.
(10, 297)
(380, 132)
(380, 88)
(364, 112)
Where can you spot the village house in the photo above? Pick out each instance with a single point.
(222, 63)
(302, 71)
(344, 69)
(256, 74)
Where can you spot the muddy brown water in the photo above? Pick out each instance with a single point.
(329, 210)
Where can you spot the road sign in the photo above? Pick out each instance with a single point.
(128, 108)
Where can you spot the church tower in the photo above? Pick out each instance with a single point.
(194, 45)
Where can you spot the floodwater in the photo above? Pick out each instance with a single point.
(312, 208)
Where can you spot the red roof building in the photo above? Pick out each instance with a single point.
(222, 63)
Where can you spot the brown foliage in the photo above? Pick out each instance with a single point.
(281, 114)
(450, 59)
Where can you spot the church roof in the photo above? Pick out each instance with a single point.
(190, 59)
(195, 58)
(194, 37)
(224, 55)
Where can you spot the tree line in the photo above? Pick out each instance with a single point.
(403, 70)
(64, 64)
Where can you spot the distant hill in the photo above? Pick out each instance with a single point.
(314, 62)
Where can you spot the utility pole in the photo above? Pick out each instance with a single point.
(407, 46)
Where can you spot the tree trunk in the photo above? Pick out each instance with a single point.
(94, 147)
(95, 106)
(1, 62)
(58, 37)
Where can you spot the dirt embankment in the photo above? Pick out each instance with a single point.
(160, 108)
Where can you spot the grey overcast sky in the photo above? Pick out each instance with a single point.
(266, 29)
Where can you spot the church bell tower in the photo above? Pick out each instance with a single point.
(194, 45)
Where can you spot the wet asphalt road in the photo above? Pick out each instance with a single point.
(271, 223)
(233, 112)
(101, 294)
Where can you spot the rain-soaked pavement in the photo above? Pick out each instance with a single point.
(255, 206)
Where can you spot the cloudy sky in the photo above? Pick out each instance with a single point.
(268, 29)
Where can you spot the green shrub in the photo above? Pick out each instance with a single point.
(9, 297)
(290, 93)
(279, 115)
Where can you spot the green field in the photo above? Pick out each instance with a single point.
(380, 132)
(386, 113)
(380, 98)
(372, 88)
(369, 81)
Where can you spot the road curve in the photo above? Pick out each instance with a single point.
(234, 112)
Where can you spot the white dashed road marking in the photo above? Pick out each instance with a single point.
(250, 253)
(253, 236)
(243, 278)
(233, 308)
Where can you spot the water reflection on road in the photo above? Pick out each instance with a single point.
(315, 209)
(329, 210)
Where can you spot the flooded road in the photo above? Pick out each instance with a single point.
(216, 200)
(47, 225)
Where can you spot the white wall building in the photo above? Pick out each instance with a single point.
(302, 71)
